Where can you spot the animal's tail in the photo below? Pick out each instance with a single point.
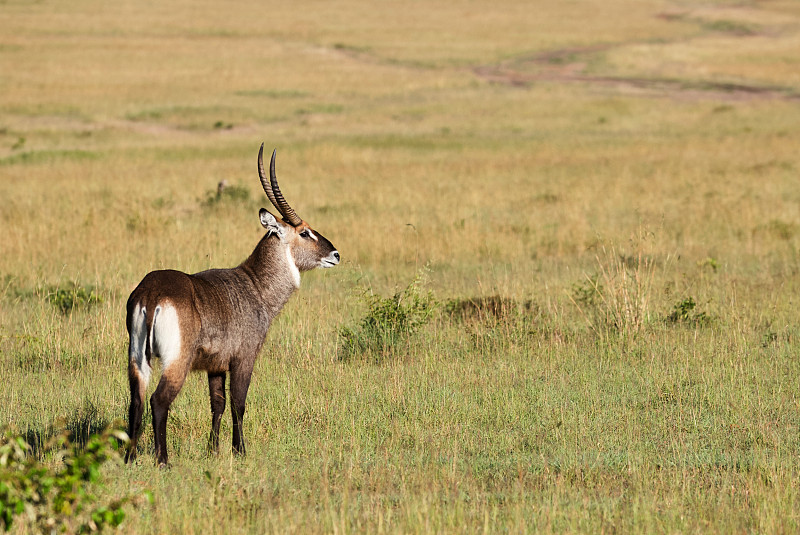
(150, 321)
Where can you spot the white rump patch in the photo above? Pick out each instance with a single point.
(293, 267)
(138, 342)
(166, 336)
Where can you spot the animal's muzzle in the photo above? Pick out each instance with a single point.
(330, 260)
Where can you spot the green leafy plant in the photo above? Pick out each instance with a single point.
(710, 262)
(388, 322)
(684, 312)
(66, 299)
(60, 498)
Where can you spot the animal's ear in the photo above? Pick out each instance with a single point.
(269, 222)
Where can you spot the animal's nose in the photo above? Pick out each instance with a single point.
(336, 255)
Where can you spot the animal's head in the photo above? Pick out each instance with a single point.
(309, 248)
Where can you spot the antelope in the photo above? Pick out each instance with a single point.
(216, 321)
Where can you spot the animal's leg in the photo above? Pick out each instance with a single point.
(240, 383)
(138, 387)
(138, 377)
(168, 387)
(216, 390)
(167, 341)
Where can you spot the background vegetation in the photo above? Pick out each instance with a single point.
(601, 198)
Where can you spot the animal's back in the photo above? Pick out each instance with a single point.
(164, 318)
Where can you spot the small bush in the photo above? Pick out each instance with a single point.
(684, 312)
(588, 293)
(59, 498)
(710, 262)
(388, 322)
(226, 194)
(74, 296)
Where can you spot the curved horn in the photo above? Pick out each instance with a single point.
(264, 181)
(280, 203)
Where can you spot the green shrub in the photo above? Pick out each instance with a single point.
(59, 498)
(684, 312)
(389, 321)
(73, 296)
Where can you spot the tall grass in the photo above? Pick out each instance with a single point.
(570, 378)
(617, 299)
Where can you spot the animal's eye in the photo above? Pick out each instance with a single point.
(304, 234)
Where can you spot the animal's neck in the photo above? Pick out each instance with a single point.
(273, 271)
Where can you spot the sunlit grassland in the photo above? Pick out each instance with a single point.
(598, 164)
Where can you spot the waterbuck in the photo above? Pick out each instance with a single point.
(216, 321)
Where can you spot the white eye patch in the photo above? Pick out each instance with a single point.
(308, 234)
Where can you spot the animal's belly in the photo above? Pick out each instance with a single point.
(210, 362)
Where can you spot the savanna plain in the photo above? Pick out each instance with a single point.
(568, 297)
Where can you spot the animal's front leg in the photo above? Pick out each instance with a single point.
(240, 383)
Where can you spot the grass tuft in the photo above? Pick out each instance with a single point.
(226, 194)
(617, 298)
(388, 324)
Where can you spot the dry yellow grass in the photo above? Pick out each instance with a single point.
(515, 149)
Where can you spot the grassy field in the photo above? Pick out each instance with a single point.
(601, 197)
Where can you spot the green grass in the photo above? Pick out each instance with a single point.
(604, 196)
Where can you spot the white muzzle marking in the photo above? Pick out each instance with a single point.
(330, 260)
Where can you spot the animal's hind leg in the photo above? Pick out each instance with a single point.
(138, 387)
(216, 390)
(168, 387)
(138, 377)
(176, 358)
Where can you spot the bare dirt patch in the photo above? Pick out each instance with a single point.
(569, 65)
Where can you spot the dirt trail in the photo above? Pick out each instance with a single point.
(569, 65)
